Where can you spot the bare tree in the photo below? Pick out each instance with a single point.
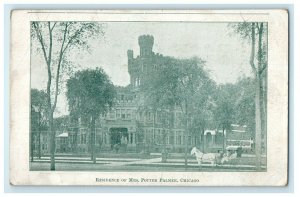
(55, 42)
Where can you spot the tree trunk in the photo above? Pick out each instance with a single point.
(256, 72)
(264, 113)
(75, 141)
(39, 135)
(261, 78)
(52, 108)
(202, 139)
(52, 142)
(224, 139)
(31, 145)
(186, 135)
(257, 124)
(93, 135)
(39, 142)
(164, 151)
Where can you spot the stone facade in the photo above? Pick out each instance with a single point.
(131, 125)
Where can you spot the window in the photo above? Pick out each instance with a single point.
(148, 116)
(130, 137)
(83, 138)
(168, 140)
(118, 112)
(179, 138)
(112, 114)
(171, 139)
(179, 121)
(153, 134)
(123, 113)
(128, 114)
(74, 138)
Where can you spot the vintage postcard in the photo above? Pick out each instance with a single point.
(149, 97)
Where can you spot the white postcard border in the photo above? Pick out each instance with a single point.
(277, 120)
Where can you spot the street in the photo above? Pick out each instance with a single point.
(73, 163)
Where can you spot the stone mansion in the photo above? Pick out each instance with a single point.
(131, 125)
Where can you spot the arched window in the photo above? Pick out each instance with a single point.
(209, 139)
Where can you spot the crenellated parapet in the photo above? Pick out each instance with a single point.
(146, 45)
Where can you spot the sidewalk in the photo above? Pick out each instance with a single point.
(153, 162)
(137, 162)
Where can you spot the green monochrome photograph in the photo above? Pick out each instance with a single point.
(157, 97)
(148, 96)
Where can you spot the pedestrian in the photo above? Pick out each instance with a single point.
(117, 147)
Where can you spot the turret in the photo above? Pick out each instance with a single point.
(146, 44)
(129, 57)
(130, 54)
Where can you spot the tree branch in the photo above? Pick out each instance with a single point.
(48, 61)
(41, 39)
(50, 48)
(58, 67)
(74, 36)
(261, 67)
(53, 26)
(252, 48)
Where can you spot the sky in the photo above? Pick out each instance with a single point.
(226, 55)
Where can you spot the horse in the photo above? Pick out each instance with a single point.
(204, 157)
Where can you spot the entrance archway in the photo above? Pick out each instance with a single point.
(118, 136)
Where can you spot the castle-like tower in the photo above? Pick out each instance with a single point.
(139, 67)
(146, 45)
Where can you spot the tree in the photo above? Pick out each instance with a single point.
(55, 41)
(90, 93)
(256, 34)
(160, 90)
(245, 103)
(235, 105)
(192, 81)
(202, 114)
(224, 111)
(38, 117)
(174, 84)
